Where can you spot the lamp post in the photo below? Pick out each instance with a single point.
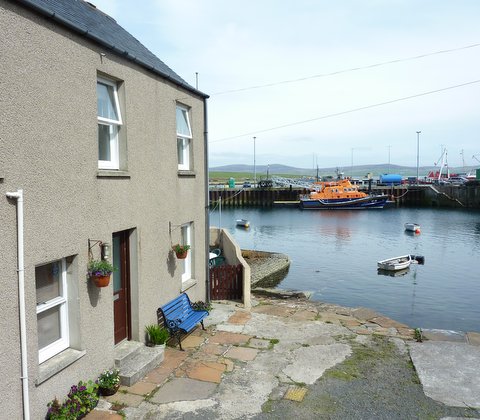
(254, 165)
(418, 149)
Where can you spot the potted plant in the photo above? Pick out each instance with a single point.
(181, 251)
(157, 335)
(109, 382)
(99, 271)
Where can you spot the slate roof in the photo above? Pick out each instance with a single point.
(90, 22)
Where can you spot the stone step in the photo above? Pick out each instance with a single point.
(135, 361)
(126, 350)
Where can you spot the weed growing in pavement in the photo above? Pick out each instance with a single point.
(418, 334)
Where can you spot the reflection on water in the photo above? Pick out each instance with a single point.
(398, 273)
(335, 254)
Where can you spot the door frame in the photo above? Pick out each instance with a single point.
(125, 254)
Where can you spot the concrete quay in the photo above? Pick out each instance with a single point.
(290, 358)
(267, 268)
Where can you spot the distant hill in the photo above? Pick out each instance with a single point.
(356, 171)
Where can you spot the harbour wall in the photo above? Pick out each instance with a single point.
(450, 196)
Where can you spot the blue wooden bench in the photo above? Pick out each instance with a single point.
(179, 316)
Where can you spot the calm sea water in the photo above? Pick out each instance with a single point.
(334, 254)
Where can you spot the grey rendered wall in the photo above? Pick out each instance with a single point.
(48, 147)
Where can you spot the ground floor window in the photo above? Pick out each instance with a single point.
(52, 308)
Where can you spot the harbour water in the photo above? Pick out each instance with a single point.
(334, 254)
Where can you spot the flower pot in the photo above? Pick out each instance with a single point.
(181, 255)
(109, 391)
(101, 281)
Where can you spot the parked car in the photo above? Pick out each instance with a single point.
(457, 180)
(247, 184)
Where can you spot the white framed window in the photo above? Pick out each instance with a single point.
(186, 238)
(184, 138)
(52, 310)
(109, 122)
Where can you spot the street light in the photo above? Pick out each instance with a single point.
(418, 149)
(254, 165)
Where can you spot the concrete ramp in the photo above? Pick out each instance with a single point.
(449, 371)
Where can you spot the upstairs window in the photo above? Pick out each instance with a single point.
(109, 123)
(184, 138)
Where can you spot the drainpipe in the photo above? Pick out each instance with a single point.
(21, 300)
(207, 199)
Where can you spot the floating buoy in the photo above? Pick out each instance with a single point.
(417, 231)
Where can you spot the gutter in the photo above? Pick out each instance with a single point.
(18, 195)
(207, 200)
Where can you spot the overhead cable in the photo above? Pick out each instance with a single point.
(384, 63)
(336, 114)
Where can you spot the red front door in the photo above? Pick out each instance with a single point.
(121, 286)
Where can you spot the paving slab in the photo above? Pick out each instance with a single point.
(309, 363)
(207, 372)
(141, 388)
(130, 400)
(273, 310)
(385, 322)
(234, 328)
(192, 341)
(103, 415)
(243, 354)
(448, 371)
(304, 315)
(224, 337)
(183, 389)
(364, 314)
(240, 317)
(258, 343)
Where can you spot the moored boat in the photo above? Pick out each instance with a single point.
(412, 227)
(244, 223)
(396, 263)
(341, 194)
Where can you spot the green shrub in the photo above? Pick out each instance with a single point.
(156, 334)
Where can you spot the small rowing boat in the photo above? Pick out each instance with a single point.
(396, 263)
(412, 227)
(244, 223)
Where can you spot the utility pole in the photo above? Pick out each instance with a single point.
(254, 165)
(418, 150)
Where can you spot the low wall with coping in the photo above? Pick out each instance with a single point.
(221, 238)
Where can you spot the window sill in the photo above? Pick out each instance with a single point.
(57, 363)
(186, 174)
(187, 284)
(110, 173)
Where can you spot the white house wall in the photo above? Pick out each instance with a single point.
(48, 147)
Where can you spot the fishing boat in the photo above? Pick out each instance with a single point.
(340, 194)
(412, 227)
(396, 263)
(244, 223)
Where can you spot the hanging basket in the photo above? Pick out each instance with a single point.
(101, 281)
(181, 255)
